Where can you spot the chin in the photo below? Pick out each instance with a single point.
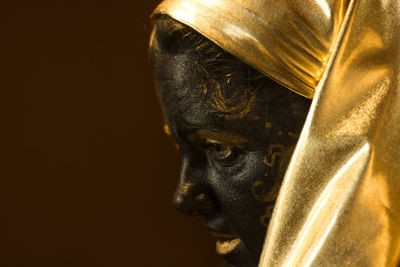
(235, 253)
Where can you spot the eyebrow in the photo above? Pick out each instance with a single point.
(232, 139)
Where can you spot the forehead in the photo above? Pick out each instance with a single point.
(179, 83)
(192, 98)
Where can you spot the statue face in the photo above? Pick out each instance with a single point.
(236, 141)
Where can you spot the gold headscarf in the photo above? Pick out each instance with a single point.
(339, 204)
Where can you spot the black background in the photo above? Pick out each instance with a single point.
(86, 173)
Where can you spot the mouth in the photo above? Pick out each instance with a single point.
(226, 243)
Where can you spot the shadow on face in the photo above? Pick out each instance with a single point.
(236, 130)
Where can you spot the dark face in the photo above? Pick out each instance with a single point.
(236, 141)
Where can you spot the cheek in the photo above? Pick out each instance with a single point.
(240, 203)
(255, 184)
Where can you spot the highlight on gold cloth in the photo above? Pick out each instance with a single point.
(287, 116)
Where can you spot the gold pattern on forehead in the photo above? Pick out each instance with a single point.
(234, 107)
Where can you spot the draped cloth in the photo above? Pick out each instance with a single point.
(339, 204)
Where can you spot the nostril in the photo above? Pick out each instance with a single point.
(184, 205)
(204, 204)
(192, 204)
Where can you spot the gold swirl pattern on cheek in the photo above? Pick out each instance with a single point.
(274, 155)
(261, 190)
(264, 220)
(234, 107)
(263, 193)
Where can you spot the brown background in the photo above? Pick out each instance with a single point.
(86, 173)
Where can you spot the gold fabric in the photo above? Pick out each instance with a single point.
(339, 204)
(289, 41)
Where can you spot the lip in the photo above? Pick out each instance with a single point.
(226, 243)
(227, 246)
(222, 236)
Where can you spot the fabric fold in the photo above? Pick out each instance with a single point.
(339, 204)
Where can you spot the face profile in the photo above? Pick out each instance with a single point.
(236, 130)
(337, 201)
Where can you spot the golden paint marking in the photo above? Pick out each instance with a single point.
(264, 220)
(280, 133)
(274, 155)
(268, 125)
(185, 188)
(177, 146)
(167, 131)
(201, 197)
(225, 247)
(260, 190)
(273, 159)
(292, 135)
(205, 89)
(234, 107)
(245, 111)
(256, 118)
(263, 193)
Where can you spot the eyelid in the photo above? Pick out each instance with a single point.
(204, 136)
(212, 141)
(227, 156)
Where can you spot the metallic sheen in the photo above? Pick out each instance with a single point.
(339, 204)
(289, 41)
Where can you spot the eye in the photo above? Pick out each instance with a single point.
(220, 151)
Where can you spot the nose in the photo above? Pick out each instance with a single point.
(193, 196)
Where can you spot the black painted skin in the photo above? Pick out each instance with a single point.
(220, 170)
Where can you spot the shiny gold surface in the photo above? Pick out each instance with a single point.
(292, 51)
(339, 204)
(340, 201)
